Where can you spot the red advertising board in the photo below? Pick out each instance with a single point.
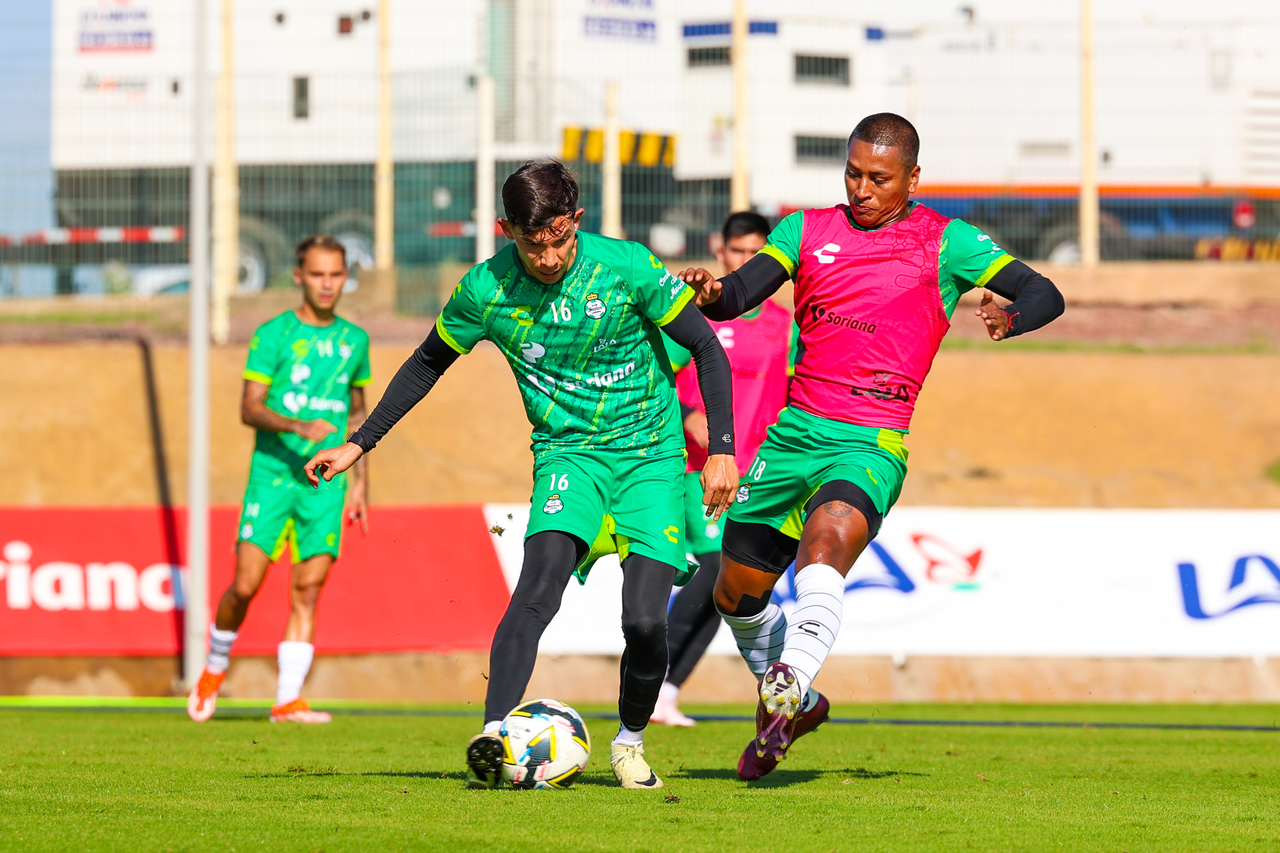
(108, 581)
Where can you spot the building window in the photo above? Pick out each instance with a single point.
(821, 150)
(705, 57)
(822, 69)
(301, 97)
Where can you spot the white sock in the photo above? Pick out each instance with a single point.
(760, 637)
(294, 659)
(492, 727)
(219, 649)
(626, 737)
(815, 620)
(668, 692)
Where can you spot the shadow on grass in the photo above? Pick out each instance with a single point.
(784, 777)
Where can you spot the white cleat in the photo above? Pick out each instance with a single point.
(630, 767)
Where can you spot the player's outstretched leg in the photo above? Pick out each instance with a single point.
(549, 559)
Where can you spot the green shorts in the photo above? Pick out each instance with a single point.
(615, 502)
(803, 451)
(702, 534)
(307, 521)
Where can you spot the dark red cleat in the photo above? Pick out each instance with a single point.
(775, 731)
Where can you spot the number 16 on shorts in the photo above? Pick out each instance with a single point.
(556, 484)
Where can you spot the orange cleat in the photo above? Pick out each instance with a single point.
(204, 696)
(298, 711)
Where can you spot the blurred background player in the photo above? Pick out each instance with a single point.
(758, 345)
(577, 316)
(303, 390)
(876, 282)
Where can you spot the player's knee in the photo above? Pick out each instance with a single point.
(741, 606)
(243, 591)
(645, 629)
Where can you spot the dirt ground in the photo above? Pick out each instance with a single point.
(997, 425)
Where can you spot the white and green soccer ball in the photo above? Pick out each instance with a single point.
(545, 744)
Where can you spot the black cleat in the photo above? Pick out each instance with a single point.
(484, 760)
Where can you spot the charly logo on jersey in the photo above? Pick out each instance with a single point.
(824, 255)
(553, 505)
(595, 308)
(532, 351)
(299, 373)
(725, 335)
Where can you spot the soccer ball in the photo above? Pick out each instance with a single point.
(545, 744)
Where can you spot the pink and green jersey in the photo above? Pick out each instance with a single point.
(873, 306)
(759, 347)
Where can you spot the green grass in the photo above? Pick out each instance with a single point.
(152, 780)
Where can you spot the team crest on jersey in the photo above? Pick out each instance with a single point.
(553, 505)
(344, 350)
(744, 493)
(594, 308)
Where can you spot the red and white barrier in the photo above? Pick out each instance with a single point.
(65, 236)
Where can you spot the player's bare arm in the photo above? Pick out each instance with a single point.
(1035, 302)
(254, 413)
(719, 484)
(357, 501)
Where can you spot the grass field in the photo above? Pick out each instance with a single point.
(144, 778)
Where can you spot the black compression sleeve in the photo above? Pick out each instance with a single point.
(691, 330)
(411, 383)
(752, 283)
(1036, 301)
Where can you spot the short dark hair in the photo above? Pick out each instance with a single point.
(890, 131)
(742, 223)
(327, 242)
(538, 193)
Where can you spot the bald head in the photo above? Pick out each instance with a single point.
(889, 130)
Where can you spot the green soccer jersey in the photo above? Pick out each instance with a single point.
(311, 371)
(586, 351)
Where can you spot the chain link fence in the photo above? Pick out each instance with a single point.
(1188, 140)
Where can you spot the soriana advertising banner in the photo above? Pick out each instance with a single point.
(1131, 583)
(108, 581)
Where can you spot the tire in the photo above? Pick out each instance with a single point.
(265, 255)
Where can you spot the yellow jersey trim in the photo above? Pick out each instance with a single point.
(997, 265)
(781, 257)
(255, 376)
(360, 383)
(448, 338)
(681, 301)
